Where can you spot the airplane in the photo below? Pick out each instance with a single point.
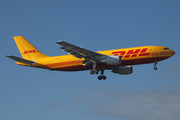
(120, 61)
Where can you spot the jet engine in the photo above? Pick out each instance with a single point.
(124, 70)
(112, 60)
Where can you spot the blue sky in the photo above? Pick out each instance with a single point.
(29, 93)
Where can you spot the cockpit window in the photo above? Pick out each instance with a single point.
(166, 49)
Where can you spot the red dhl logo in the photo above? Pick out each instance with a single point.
(30, 51)
(132, 53)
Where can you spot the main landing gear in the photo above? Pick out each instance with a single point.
(92, 72)
(155, 68)
(102, 76)
(96, 72)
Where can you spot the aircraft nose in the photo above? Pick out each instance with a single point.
(173, 52)
(169, 53)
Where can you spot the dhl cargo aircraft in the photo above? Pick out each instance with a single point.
(120, 61)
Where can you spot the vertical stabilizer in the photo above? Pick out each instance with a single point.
(27, 50)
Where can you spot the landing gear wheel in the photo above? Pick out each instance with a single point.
(155, 68)
(99, 77)
(102, 77)
(96, 71)
(92, 72)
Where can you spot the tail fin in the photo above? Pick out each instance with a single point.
(28, 51)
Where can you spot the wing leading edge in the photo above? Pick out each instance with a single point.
(80, 52)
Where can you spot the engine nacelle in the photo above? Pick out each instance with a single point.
(124, 70)
(112, 60)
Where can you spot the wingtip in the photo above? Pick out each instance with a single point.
(59, 42)
(17, 36)
(8, 55)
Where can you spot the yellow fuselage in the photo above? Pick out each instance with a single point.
(129, 56)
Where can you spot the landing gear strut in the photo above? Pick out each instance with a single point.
(94, 68)
(155, 68)
(92, 71)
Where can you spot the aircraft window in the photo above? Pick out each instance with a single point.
(166, 48)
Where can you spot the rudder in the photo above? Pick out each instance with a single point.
(27, 50)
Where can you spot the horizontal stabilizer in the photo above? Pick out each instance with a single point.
(20, 59)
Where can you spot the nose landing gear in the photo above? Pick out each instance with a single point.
(155, 68)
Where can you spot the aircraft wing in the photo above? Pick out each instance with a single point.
(20, 59)
(80, 52)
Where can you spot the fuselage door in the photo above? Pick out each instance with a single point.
(154, 52)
